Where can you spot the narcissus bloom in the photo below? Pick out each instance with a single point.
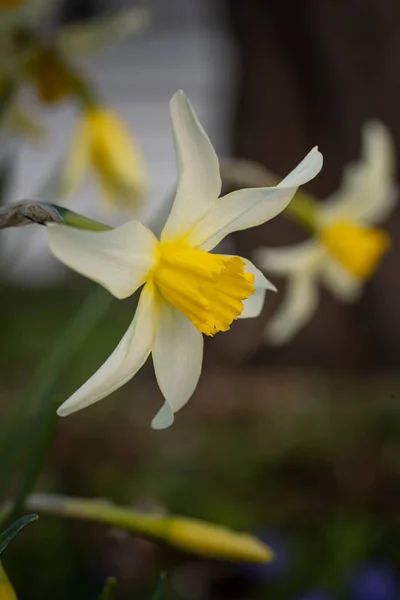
(187, 291)
(346, 249)
(102, 141)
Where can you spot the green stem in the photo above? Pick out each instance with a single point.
(74, 219)
(302, 209)
(152, 526)
(83, 90)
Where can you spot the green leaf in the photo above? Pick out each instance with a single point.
(89, 37)
(37, 407)
(160, 586)
(110, 589)
(9, 534)
(44, 428)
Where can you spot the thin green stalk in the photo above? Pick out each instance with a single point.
(302, 210)
(147, 525)
(109, 591)
(160, 586)
(74, 219)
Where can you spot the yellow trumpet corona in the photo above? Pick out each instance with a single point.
(208, 288)
(359, 249)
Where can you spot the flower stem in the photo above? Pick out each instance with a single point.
(302, 210)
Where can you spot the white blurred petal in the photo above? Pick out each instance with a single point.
(368, 189)
(296, 309)
(251, 207)
(85, 38)
(129, 356)
(119, 259)
(199, 181)
(305, 256)
(177, 357)
(340, 282)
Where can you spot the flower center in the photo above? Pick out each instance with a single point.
(357, 248)
(208, 288)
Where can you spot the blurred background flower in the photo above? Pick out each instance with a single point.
(375, 582)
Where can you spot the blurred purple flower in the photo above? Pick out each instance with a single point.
(375, 582)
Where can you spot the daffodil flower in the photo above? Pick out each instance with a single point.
(346, 248)
(101, 141)
(187, 290)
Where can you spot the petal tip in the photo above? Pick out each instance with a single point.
(272, 287)
(164, 418)
(178, 96)
(62, 411)
(318, 155)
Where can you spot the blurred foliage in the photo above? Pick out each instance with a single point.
(321, 475)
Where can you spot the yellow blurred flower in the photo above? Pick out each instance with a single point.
(346, 248)
(102, 141)
(6, 589)
(358, 248)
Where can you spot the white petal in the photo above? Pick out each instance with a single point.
(119, 259)
(305, 256)
(368, 188)
(199, 181)
(253, 304)
(177, 357)
(164, 418)
(129, 356)
(340, 282)
(251, 207)
(297, 308)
